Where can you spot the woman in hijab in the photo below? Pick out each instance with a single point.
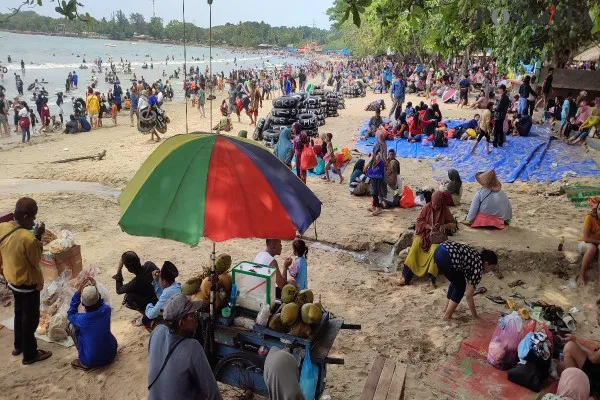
(376, 172)
(452, 189)
(573, 385)
(359, 182)
(281, 375)
(300, 140)
(433, 224)
(284, 149)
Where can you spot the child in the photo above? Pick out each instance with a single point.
(224, 108)
(201, 100)
(485, 128)
(33, 120)
(330, 157)
(24, 123)
(299, 267)
(114, 111)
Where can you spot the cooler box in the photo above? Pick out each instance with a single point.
(53, 265)
(255, 285)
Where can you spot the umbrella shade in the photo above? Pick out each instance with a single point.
(215, 186)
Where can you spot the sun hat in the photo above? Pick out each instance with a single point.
(178, 306)
(489, 180)
(90, 296)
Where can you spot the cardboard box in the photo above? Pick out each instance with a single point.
(53, 265)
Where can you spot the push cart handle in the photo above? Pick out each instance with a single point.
(351, 326)
(334, 360)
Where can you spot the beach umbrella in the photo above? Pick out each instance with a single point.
(215, 186)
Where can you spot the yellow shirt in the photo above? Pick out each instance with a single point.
(484, 120)
(93, 105)
(593, 225)
(20, 256)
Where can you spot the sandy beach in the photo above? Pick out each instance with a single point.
(403, 323)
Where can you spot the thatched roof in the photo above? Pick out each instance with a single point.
(591, 54)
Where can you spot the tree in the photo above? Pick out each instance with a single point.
(138, 23)
(156, 28)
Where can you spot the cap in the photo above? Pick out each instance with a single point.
(178, 306)
(90, 296)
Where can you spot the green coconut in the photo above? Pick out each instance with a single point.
(223, 263)
(311, 314)
(290, 313)
(306, 296)
(276, 324)
(289, 294)
(301, 330)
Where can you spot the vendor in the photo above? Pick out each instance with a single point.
(96, 345)
(165, 287)
(267, 257)
(187, 374)
(435, 219)
(20, 255)
(589, 243)
(139, 291)
(490, 206)
(463, 266)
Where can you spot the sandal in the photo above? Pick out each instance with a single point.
(516, 283)
(480, 290)
(496, 299)
(41, 356)
(518, 296)
(76, 364)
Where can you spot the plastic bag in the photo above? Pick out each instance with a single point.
(502, 351)
(263, 315)
(408, 198)
(64, 241)
(308, 159)
(309, 377)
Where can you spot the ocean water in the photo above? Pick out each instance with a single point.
(51, 58)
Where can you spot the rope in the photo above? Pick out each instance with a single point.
(185, 67)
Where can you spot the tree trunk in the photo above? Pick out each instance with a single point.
(464, 68)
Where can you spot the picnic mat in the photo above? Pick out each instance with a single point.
(580, 194)
(9, 323)
(469, 376)
(532, 158)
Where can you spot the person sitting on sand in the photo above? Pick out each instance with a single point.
(482, 100)
(490, 206)
(589, 242)
(164, 286)
(90, 330)
(522, 126)
(139, 291)
(187, 374)
(434, 222)
(374, 123)
(267, 257)
(452, 188)
(359, 182)
(72, 126)
(593, 120)
(579, 356)
(84, 125)
(573, 385)
(463, 266)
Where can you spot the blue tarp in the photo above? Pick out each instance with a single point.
(533, 158)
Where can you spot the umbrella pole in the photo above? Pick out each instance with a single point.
(214, 278)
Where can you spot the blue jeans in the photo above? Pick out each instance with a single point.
(582, 135)
(26, 132)
(458, 282)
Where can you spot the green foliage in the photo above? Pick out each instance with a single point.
(120, 27)
(450, 27)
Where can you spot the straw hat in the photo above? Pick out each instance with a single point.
(489, 180)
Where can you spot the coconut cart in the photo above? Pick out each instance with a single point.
(223, 187)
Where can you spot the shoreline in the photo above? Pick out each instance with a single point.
(160, 41)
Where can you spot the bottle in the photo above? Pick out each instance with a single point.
(561, 244)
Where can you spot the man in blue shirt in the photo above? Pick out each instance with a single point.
(397, 92)
(133, 106)
(90, 330)
(164, 287)
(74, 79)
(85, 125)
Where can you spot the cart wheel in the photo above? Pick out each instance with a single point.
(242, 371)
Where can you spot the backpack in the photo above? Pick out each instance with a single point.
(439, 139)
(24, 122)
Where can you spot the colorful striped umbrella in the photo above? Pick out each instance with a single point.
(215, 186)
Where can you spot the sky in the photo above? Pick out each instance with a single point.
(273, 12)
